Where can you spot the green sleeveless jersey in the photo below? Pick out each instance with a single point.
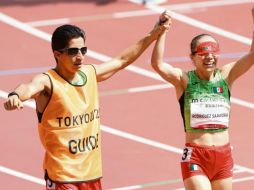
(205, 105)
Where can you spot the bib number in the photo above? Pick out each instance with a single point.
(187, 151)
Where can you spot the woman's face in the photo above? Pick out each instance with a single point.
(206, 55)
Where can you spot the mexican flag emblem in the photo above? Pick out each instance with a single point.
(218, 89)
(193, 167)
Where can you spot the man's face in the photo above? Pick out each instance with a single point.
(71, 58)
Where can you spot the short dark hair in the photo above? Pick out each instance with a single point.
(194, 41)
(63, 34)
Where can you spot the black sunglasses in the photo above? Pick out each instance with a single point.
(74, 51)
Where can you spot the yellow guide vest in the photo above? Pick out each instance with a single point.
(70, 129)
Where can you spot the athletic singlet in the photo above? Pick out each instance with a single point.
(205, 105)
(69, 129)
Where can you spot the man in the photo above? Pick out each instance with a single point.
(204, 98)
(68, 109)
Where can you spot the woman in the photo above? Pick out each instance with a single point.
(204, 98)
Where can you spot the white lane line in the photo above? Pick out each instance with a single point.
(148, 1)
(165, 86)
(136, 89)
(205, 4)
(24, 71)
(132, 68)
(141, 140)
(243, 179)
(24, 27)
(243, 168)
(128, 187)
(21, 175)
(174, 7)
(199, 24)
(242, 103)
(52, 22)
(237, 180)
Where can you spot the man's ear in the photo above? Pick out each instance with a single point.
(56, 54)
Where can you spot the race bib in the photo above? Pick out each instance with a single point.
(208, 112)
